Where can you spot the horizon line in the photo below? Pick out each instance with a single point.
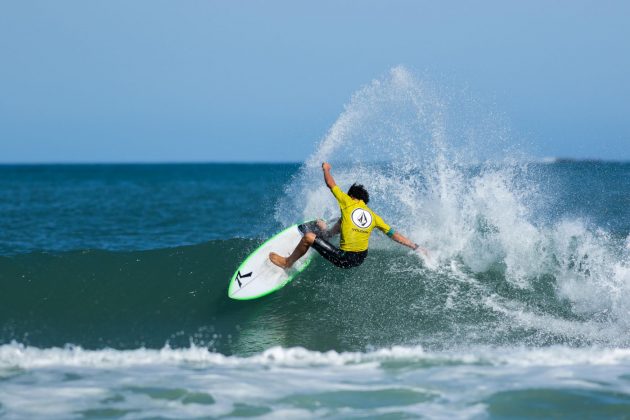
(260, 162)
(156, 162)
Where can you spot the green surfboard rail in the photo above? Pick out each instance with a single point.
(291, 277)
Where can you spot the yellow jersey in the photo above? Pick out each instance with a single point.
(357, 222)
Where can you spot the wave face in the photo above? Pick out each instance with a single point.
(127, 300)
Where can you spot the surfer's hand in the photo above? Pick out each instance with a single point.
(326, 166)
(322, 225)
(422, 251)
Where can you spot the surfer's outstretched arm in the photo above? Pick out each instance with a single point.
(330, 181)
(408, 243)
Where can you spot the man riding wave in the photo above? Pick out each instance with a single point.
(355, 226)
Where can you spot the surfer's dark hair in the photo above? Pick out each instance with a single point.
(358, 191)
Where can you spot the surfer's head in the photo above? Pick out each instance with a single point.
(359, 192)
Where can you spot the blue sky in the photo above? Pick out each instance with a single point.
(152, 80)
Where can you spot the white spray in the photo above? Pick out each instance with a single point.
(440, 168)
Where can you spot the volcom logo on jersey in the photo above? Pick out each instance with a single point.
(361, 218)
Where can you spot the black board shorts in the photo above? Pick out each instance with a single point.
(340, 258)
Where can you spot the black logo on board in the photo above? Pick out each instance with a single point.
(240, 276)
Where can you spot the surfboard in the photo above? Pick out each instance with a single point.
(257, 276)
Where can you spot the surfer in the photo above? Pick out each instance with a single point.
(355, 226)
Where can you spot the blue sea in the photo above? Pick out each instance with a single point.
(113, 281)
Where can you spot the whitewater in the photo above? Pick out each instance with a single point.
(114, 279)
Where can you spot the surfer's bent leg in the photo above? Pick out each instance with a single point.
(340, 258)
(301, 249)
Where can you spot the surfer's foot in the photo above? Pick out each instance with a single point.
(279, 261)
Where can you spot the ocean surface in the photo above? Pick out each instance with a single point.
(113, 282)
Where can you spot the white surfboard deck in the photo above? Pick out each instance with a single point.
(257, 276)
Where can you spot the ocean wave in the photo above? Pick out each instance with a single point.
(395, 381)
(518, 260)
(16, 355)
(126, 300)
